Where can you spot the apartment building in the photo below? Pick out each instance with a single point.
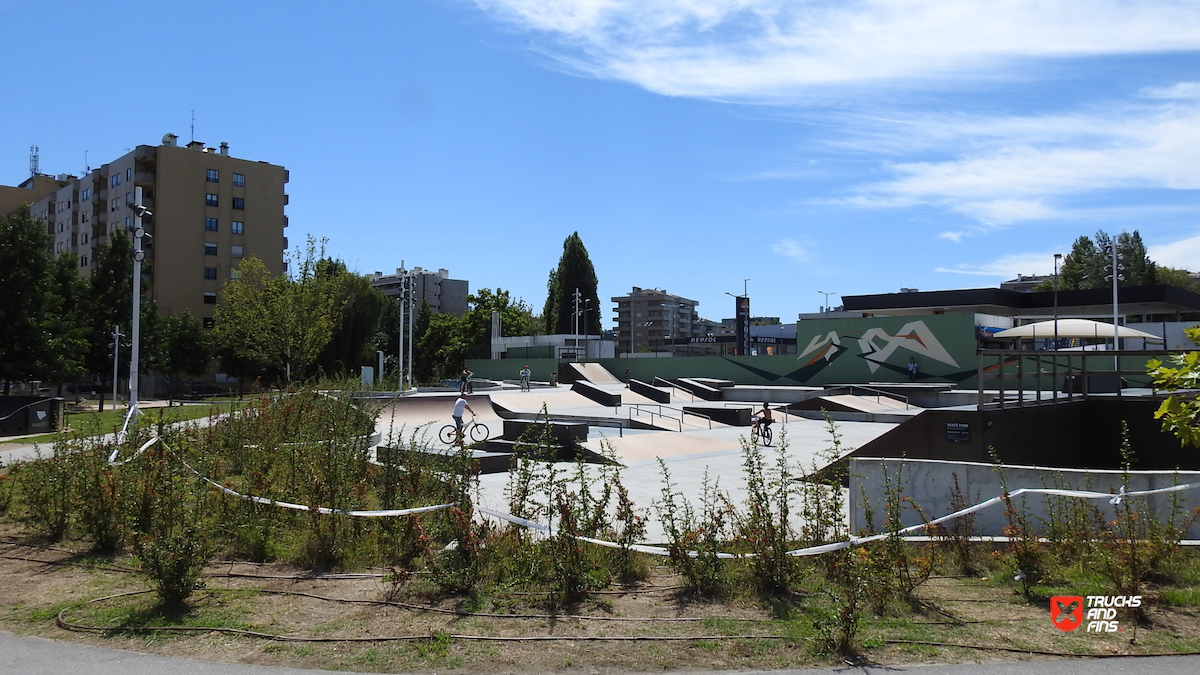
(210, 211)
(437, 288)
(652, 320)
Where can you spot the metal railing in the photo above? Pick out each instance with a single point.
(786, 413)
(1073, 378)
(637, 407)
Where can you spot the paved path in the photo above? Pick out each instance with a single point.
(39, 656)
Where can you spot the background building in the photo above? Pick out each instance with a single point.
(210, 211)
(650, 320)
(437, 288)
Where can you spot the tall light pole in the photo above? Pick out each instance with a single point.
(1057, 257)
(139, 254)
(1116, 277)
(827, 300)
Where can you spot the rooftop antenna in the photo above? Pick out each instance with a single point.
(87, 168)
(33, 160)
(193, 126)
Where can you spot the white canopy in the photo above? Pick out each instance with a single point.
(1072, 328)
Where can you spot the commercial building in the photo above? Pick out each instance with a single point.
(210, 211)
(652, 320)
(436, 288)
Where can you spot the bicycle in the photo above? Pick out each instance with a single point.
(761, 431)
(477, 430)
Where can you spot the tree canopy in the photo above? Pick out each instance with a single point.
(574, 272)
(1180, 413)
(1089, 266)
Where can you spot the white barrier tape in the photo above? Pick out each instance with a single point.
(389, 513)
(658, 550)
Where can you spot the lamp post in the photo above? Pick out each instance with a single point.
(827, 300)
(1057, 257)
(139, 254)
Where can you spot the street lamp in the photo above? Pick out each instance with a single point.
(1057, 257)
(139, 254)
(827, 300)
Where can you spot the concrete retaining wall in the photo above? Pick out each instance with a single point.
(929, 484)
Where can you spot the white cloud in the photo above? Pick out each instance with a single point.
(1007, 267)
(1024, 169)
(1182, 254)
(790, 248)
(762, 49)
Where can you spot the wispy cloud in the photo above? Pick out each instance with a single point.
(763, 49)
(790, 248)
(1182, 254)
(1006, 267)
(1025, 169)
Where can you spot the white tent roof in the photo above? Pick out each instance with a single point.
(1072, 328)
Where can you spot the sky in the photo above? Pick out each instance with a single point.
(784, 147)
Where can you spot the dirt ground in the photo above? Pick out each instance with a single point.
(365, 622)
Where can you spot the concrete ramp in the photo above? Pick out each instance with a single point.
(594, 373)
(417, 410)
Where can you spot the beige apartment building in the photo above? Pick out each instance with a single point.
(210, 211)
(652, 320)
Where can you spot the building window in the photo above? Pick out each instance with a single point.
(214, 176)
(83, 261)
(235, 274)
(87, 194)
(210, 199)
(238, 227)
(209, 322)
(210, 298)
(210, 249)
(210, 273)
(128, 197)
(115, 180)
(239, 180)
(210, 224)
(239, 204)
(128, 174)
(127, 224)
(235, 251)
(85, 238)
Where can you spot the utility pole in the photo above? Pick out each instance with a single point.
(412, 315)
(116, 346)
(139, 255)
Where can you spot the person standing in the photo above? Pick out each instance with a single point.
(525, 378)
(460, 405)
(912, 368)
(464, 382)
(627, 377)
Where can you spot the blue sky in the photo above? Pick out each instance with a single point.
(849, 146)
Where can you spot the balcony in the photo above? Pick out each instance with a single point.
(144, 178)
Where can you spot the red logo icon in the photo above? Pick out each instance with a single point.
(1066, 611)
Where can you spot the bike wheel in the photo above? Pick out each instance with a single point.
(766, 435)
(754, 435)
(479, 432)
(448, 435)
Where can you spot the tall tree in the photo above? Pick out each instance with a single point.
(362, 307)
(281, 322)
(575, 273)
(110, 300)
(516, 318)
(1138, 268)
(24, 269)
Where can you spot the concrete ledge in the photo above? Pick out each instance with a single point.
(595, 393)
(700, 389)
(736, 417)
(653, 393)
(562, 433)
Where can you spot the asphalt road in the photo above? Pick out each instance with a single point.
(39, 656)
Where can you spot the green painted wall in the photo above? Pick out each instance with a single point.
(843, 351)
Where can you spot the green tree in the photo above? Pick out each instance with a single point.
(174, 345)
(1174, 277)
(516, 318)
(24, 302)
(66, 325)
(110, 301)
(280, 322)
(1180, 413)
(1088, 266)
(363, 306)
(439, 350)
(575, 272)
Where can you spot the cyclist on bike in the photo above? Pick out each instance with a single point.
(459, 406)
(763, 419)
